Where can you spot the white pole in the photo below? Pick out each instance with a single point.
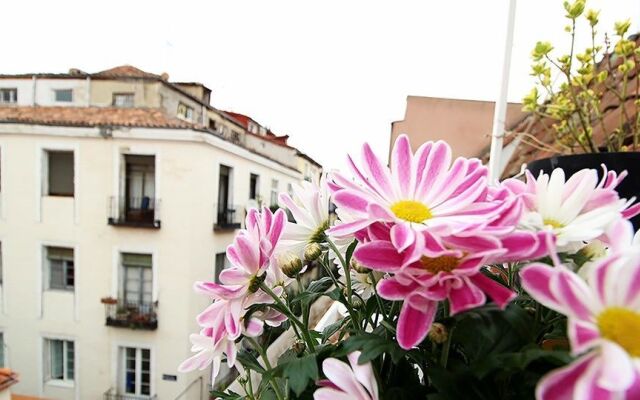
(500, 111)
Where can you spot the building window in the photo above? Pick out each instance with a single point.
(184, 111)
(222, 262)
(140, 188)
(59, 360)
(254, 181)
(274, 192)
(60, 268)
(2, 361)
(137, 279)
(63, 95)
(213, 125)
(124, 100)
(136, 371)
(9, 95)
(59, 177)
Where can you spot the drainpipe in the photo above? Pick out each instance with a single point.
(500, 111)
(33, 90)
(88, 90)
(204, 116)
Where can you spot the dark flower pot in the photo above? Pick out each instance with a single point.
(618, 162)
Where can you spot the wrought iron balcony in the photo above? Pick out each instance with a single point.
(130, 315)
(228, 217)
(113, 395)
(137, 212)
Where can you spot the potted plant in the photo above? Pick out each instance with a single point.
(590, 103)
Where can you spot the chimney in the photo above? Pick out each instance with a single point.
(164, 76)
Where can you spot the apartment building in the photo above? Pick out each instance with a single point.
(117, 191)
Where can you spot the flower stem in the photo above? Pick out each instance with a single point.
(347, 277)
(294, 320)
(267, 364)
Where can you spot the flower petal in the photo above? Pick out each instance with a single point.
(414, 324)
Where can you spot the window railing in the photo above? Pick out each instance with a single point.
(113, 395)
(228, 216)
(132, 315)
(142, 212)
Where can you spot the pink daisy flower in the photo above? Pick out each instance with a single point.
(603, 327)
(211, 347)
(419, 192)
(347, 381)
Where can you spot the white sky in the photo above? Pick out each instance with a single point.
(330, 73)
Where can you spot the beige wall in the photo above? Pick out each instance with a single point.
(183, 250)
(464, 124)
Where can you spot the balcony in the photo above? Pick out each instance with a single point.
(112, 395)
(121, 314)
(228, 217)
(136, 212)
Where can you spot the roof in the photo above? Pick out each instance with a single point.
(306, 157)
(92, 117)
(7, 378)
(125, 71)
(536, 133)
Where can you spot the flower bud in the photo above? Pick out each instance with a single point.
(298, 347)
(438, 333)
(290, 264)
(255, 282)
(356, 302)
(312, 252)
(359, 268)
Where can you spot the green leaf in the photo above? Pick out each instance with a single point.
(249, 361)
(299, 371)
(225, 396)
(350, 250)
(372, 346)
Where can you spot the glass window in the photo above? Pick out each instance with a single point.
(253, 186)
(274, 192)
(184, 111)
(60, 173)
(63, 95)
(124, 100)
(136, 378)
(61, 269)
(9, 95)
(137, 285)
(61, 359)
(222, 262)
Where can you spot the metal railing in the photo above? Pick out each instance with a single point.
(131, 315)
(113, 395)
(133, 211)
(228, 216)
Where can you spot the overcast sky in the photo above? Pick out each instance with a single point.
(331, 74)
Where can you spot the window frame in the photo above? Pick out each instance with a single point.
(66, 343)
(116, 94)
(273, 199)
(64, 286)
(138, 371)
(188, 111)
(10, 90)
(46, 179)
(122, 289)
(58, 90)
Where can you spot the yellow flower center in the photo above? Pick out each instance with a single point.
(411, 210)
(621, 326)
(439, 264)
(553, 223)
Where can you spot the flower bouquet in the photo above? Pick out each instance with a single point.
(434, 285)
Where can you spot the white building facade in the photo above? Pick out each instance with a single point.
(103, 230)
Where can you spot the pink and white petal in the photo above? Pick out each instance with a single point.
(587, 387)
(379, 255)
(247, 253)
(616, 372)
(341, 375)
(401, 160)
(583, 335)
(436, 170)
(276, 226)
(560, 384)
(414, 324)
(254, 327)
(351, 200)
(465, 297)
(231, 351)
(536, 280)
(392, 289)
(364, 374)
(325, 393)
(377, 172)
(348, 228)
(198, 361)
(500, 294)
(402, 236)
(218, 291)
(574, 293)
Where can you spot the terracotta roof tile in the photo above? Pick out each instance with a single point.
(128, 71)
(93, 116)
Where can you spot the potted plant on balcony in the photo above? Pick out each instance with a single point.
(591, 109)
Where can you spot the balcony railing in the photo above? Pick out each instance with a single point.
(113, 395)
(140, 212)
(131, 315)
(229, 217)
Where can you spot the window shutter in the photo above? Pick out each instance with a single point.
(138, 260)
(59, 253)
